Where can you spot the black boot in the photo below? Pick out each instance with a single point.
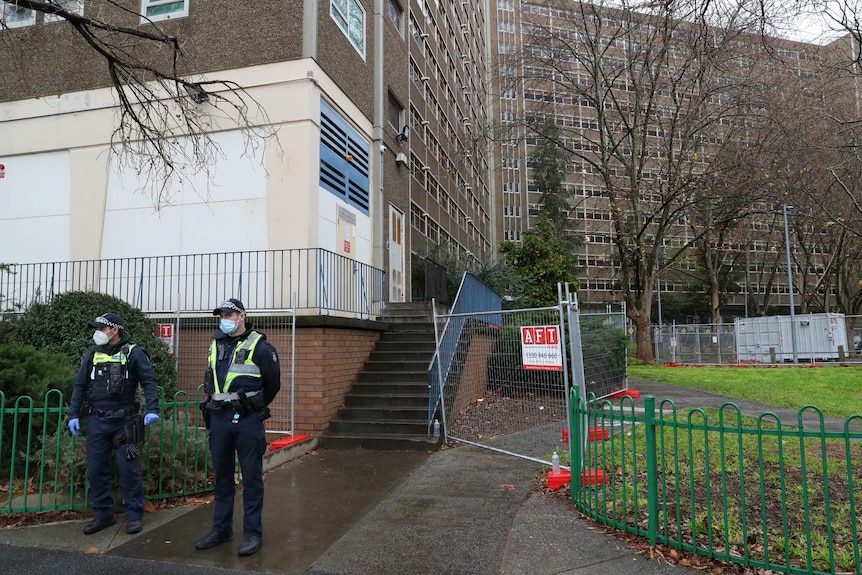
(249, 546)
(212, 539)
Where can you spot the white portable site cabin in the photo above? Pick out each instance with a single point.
(769, 339)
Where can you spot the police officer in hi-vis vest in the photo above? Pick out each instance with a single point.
(105, 392)
(242, 379)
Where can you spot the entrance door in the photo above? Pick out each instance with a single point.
(396, 254)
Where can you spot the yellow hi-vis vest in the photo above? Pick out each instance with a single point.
(120, 357)
(245, 367)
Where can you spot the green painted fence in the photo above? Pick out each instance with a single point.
(44, 468)
(749, 490)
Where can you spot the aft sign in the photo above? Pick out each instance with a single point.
(166, 334)
(540, 347)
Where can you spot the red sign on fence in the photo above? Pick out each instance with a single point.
(166, 334)
(540, 347)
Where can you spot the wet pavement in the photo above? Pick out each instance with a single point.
(459, 511)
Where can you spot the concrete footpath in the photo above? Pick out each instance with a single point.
(459, 511)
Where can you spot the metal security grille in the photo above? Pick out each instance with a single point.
(503, 391)
(188, 335)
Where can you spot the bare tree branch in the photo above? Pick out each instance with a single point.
(166, 118)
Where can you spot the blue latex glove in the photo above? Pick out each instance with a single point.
(150, 418)
(75, 427)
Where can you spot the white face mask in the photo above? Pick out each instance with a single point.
(100, 337)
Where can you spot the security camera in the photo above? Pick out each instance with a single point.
(404, 134)
(382, 148)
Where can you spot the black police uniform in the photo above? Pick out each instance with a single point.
(237, 429)
(108, 411)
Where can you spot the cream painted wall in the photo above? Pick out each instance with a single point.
(35, 208)
(330, 239)
(88, 187)
(220, 211)
(87, 208)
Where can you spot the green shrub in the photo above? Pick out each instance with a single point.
(62, 461)
(61, 326)
(27, 374)
(173, 458)
(31, 371)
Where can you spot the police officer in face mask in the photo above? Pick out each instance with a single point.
(242, 379)
(104, 392)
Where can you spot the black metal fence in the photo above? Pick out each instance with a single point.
(314, 279)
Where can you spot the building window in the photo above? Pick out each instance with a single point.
(73, 6)
(396, 13)
(395, 113)
(344, 159)
(15, 16)
(156, 10)
(350, 17)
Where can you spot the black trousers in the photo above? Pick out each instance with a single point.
(244, 440)
(101, 436)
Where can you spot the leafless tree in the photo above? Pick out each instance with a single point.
(165, 118)
(665, 86)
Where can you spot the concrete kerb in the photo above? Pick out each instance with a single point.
(280, 456)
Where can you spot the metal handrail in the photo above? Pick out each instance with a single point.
(473, 296)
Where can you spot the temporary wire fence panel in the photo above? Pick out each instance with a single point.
(762, 340)
(188, 335)
(696, 344)
(473, 297)
(506, 388)
(604, 347)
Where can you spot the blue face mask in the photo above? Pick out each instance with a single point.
(228, 326)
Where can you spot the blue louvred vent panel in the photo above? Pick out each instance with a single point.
(344, 159)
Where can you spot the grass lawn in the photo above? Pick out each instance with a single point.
(837, 390)
(741, 492)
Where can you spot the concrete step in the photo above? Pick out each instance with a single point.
(404, 442)
(387, 408)
(393, 388)
(408, 337)
(379, 427)
(417, 326)
(401, 355)
(412, 311)
(384, 400)
(397, 363)
(424, 346)
(408, 377)
(384, 413)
